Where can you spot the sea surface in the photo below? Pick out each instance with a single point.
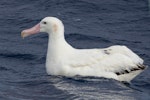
(88, 24)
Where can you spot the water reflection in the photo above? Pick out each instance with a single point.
(95, 88)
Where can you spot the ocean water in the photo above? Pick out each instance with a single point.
(88, 24)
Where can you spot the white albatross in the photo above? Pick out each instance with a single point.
(117, 62)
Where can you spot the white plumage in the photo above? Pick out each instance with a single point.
(117, 62)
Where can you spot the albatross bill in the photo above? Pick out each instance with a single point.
(28, 32)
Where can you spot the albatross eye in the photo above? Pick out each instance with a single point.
(44, 22)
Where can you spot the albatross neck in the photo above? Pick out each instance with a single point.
(57, 45)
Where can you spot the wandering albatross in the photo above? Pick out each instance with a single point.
(117, 62)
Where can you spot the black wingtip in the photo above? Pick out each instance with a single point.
(139, 67)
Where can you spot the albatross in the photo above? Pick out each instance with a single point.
(117, 62)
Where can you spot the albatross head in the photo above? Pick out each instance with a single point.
(50, 25)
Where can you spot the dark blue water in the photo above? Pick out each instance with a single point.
(88, 24)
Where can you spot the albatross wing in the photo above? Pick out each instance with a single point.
(123, 65)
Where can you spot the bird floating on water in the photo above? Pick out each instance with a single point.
(116, 62)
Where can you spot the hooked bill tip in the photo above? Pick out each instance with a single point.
(23, 34)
